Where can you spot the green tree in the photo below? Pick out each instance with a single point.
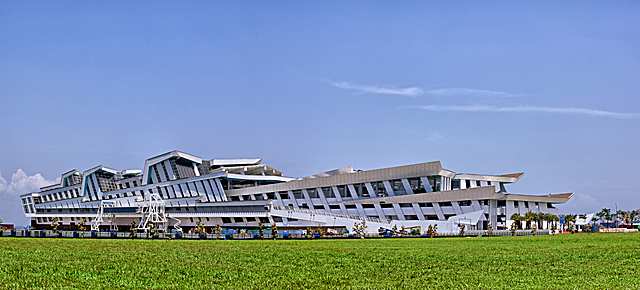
(514, 228)
(529, 217)
(621, 215)
(55, 224)
(540, 218)
(552, 219)
(633, 215)
(517, 220)
(360, 228)
(604, 214)
(432, 231)
(569, 221)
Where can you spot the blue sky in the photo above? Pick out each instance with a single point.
(544, 87)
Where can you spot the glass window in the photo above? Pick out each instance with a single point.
(378, 188)
(328, 192)
(297, 194)
(435, 182)
(313, 193)
(343, 191)
(416, 185)
(455, 184)
(411, 217)
(398, 188)
(361, 190)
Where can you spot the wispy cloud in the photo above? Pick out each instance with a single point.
(381, 90)
(414, 91)
(526, 109)
(466, 92)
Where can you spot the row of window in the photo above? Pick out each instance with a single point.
(360, 190)
(71, 193)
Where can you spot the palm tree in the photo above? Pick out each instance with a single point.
(547, 217)
(529, 217)
(541, 217)
(633, 215)
(517, 219)
(555, 219)
(620, 216)
(569, 220)
(604, 214)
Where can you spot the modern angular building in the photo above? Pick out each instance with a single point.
(179, 190)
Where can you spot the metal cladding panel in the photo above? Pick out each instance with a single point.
(552, 198)
(440, 196)
(406, 171)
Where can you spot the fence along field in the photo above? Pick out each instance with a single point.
(564, 261)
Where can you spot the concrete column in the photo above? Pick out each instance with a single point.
(418, 211)
(343, 209)
(380, 212)
(438, 211)
(369, 187)
(352, 191)
(426, 184)
(407, 186)
(308, 200)
(388, 188)
(456, 207)
(323, 198)
(293, 198)
(398, 210)
(279, 200)
(493, 217)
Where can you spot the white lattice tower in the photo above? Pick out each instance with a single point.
(153, 213)
(99, 219)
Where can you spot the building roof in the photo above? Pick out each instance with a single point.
(227, 162)
(405, 171)
(552, 197)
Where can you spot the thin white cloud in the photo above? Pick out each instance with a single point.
(527, 109)
(369, 89)
(414, 91)
(466, 92)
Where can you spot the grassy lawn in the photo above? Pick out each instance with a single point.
(568, 261)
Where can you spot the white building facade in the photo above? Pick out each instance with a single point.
(244, 193)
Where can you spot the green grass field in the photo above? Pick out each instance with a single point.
(568, 261)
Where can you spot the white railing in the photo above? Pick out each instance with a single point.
(328, 213)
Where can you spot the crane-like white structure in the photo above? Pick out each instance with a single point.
(153, 214)
(99, 219)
